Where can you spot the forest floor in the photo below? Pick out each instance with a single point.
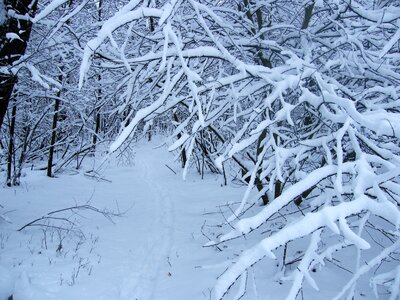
(148, 245)
(151, 250)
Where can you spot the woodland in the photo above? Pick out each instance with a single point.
(296, 102)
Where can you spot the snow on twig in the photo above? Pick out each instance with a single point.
(326, 217)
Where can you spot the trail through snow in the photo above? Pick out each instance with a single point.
(152, 252)
(142, 283)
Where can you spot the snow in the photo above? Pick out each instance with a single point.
(390, 44)
(178, 143)
(142, 113)
(167, 11)
(48, 9)
(6, 283)
(153, 251)
(307, 225)
(332, 178)
(387, 14)
(3, 14)
(12, 36)
(246, 225)
(384, 278)
(124, 16)
(64, 19)
(368, 266)
(302, 270)
(36, 76)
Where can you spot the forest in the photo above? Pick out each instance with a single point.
(273, 123)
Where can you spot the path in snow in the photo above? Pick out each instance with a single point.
(153, 252)
(142, 283)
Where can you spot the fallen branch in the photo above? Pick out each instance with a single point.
(170, 169)
(95, 175)
(106, 214)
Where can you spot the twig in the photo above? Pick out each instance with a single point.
(106, 214)
(32, 223)
(96, 176)
(202, 232)
(170, 169)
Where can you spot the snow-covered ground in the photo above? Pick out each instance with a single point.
(152, 251)
(149, 245)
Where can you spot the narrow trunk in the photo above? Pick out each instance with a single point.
(258, 181)
(308, 11)
(53, 138)
(278, 183)
(183, 151)
(151, 28)
(99, 92)
(307, 15)
(258, 25)
(97, 118)
(11, 145)
(17, 176)
(97, 128)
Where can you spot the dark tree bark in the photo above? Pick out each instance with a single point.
(53, 138)
(308, 12)
(11, 49)
(54, 126)
(183, 151)
(10, 155)
(54, 132)
(97, 117)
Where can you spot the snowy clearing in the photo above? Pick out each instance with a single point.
(154, 250)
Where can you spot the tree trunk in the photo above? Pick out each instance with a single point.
(55, 117)
(7, 82)
(97, 128)
(183, 151)
(17, 175)
(258, 25)
(53, 137)
(12, 49)
(11, 145)
(308, 11)
(97, 117)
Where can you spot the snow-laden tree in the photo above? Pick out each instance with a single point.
(301, 97)
(14, 35)
(16, 20)
(50, 119)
